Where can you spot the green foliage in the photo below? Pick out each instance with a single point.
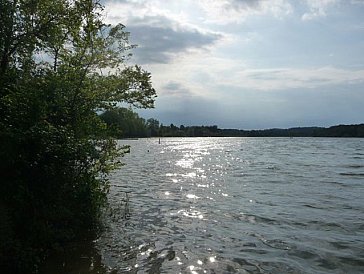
(153, 127)
(124, 123)
(60, 64)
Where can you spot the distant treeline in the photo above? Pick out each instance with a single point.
(124, 123)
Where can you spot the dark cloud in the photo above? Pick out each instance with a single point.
(159, 39)
(173, 88)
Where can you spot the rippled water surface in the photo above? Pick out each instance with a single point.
(244, 205)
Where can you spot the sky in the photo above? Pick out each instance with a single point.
(249, 64)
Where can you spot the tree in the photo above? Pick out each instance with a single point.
(124, 123)
(153, 127)
(59, 65)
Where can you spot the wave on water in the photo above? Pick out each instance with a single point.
(236, 205)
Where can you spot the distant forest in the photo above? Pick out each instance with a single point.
(124, 123)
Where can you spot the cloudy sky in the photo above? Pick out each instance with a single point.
(249, 64)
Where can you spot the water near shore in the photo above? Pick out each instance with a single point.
(226, 205)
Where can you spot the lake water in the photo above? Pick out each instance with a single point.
(234, 205)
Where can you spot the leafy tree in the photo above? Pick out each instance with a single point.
(153, 127)
(124, 123)
(59, 65)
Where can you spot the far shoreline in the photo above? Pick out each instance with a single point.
(338, 131)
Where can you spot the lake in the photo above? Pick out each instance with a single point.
(232, 205)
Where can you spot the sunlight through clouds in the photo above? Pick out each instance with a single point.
(207, 56)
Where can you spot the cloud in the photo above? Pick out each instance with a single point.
(251, 110)
(218, 77)
(232, 63)
(235, 11)
(207, 75)
(357, 2)
(317, 8)
(293, 78)
(158, 44)
(160, 35)
(175, 89)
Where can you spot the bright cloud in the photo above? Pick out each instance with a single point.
(229, 11)
(293, 78)
(317, 8)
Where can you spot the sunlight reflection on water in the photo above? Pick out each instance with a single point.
(246, 205)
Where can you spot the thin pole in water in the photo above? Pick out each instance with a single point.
(126, 206)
